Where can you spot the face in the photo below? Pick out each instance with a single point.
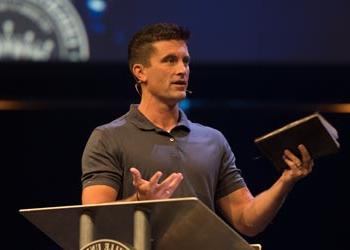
(166, 78)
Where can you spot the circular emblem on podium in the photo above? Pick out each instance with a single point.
(41, 30)
(106, 244)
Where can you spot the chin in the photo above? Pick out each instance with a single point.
(181, 96)
(175, 99)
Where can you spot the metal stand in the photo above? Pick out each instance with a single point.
(86, 232)
(142, 230)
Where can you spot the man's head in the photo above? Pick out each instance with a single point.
(159, 61)
(141, 45)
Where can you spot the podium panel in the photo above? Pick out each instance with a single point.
(183, 223)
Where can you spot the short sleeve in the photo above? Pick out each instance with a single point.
(230, 178)
(100, 165)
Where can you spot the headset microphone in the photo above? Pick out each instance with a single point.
(137, 87)
(189, 92)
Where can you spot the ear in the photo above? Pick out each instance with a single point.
(139, 72)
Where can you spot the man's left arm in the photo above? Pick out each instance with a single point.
(250, 215)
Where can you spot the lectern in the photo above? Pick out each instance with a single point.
(171, 224)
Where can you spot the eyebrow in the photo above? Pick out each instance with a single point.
(174, 56)
(168, 56)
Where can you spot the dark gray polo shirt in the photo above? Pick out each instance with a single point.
(200, 153)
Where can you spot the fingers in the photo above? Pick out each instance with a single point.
(293, 168)
(291, 160)
(176, 181)
(136, 176)
(306, 157)
(303, 166)
(304, 153)
(169, 185)
(151, 189)
(155, 178)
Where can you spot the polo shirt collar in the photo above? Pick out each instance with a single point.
(140, 121)
(184, 122)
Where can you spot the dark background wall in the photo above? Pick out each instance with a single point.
(256, 66)
(57, 105)
(310, 31)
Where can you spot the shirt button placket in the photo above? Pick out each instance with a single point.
(174, 153)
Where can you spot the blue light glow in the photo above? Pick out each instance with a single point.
(185, 104)
(96, 5)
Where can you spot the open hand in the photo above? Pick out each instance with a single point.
(151, 189)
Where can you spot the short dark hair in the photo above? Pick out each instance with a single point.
(140, 46)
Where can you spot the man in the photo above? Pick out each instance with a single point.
(155, 152)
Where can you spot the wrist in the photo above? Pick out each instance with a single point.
(286, 182)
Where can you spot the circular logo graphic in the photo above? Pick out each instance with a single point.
(41, 30)
(107, 245)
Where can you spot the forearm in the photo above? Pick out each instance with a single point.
(145, 190)
(97, 196)
(263, 208)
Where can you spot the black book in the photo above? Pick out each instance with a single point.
(314, 131)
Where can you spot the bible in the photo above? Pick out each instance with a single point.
(314, 131)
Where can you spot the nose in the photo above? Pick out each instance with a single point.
(182, 68)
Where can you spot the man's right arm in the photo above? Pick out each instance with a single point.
(102, 194)
(145, 189)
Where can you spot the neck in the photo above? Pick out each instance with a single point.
(160, 114)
